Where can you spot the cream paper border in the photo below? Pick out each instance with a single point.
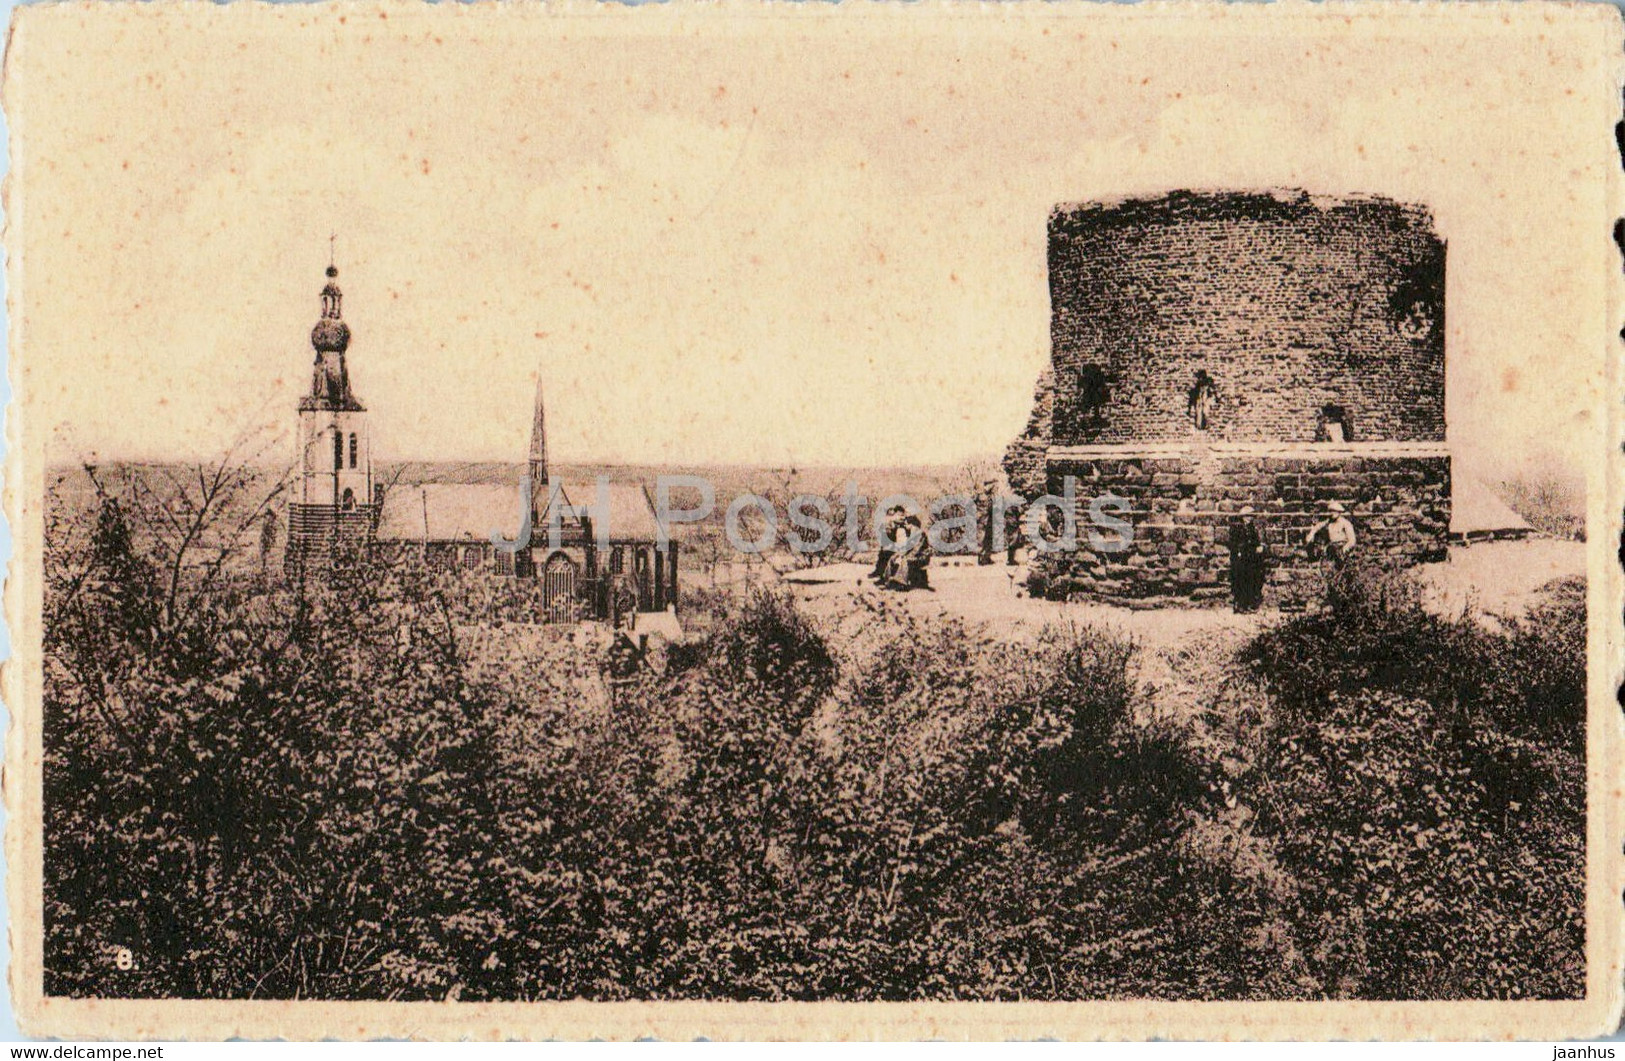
(35, 413)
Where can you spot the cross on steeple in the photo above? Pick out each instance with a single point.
(332, 241)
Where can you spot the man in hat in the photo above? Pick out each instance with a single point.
(1336, 532)
(1246, 563)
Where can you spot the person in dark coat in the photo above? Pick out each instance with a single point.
(1246, 563)
(888, 532)
(984, 516)
(1012, 531)
(910, 559)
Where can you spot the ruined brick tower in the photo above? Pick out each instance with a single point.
(1212, 352)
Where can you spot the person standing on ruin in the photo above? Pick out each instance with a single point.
(1246, 563)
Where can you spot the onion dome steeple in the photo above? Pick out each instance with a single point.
(330, 381)
(331, 334)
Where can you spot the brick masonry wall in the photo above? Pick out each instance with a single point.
(1181, 507)
(1289, 303)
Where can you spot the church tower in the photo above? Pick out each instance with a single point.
(333, 503)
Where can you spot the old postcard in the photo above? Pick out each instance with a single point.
(770, 521)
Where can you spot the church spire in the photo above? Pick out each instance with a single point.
(334, 498)
(538, 450)
(332, 297)
(330, 381)
(331, 335)
(332, 305)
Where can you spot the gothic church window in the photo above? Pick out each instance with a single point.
(338, 450)
(347, 502)
(352, 449)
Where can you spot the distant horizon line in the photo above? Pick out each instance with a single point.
(59, 463)
(1481, 469)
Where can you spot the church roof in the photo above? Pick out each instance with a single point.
(469, 512)
(448, 512)
(631, 516)
(660, 624)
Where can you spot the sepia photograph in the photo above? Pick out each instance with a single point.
(870, 521)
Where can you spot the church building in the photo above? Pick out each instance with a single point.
(608, 559)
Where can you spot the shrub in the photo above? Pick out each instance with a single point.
(768, 641)
(1406, 851)
(1423, 781)
(1374, 634)
(1536, 681)
(362, 790)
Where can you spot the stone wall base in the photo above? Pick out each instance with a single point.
(1181, 507)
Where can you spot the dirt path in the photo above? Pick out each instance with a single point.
(989, 595)
(1494, 577)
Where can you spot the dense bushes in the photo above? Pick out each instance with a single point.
(265, 794)
(1424, 783)
(350, 791)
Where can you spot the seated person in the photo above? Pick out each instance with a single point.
(910, 558)
(888, 535)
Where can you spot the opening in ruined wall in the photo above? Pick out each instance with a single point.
(1416, 302)
(1200, 398)
(1094, 391)
(1335, 425)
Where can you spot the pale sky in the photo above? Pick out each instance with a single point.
(739, 238)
